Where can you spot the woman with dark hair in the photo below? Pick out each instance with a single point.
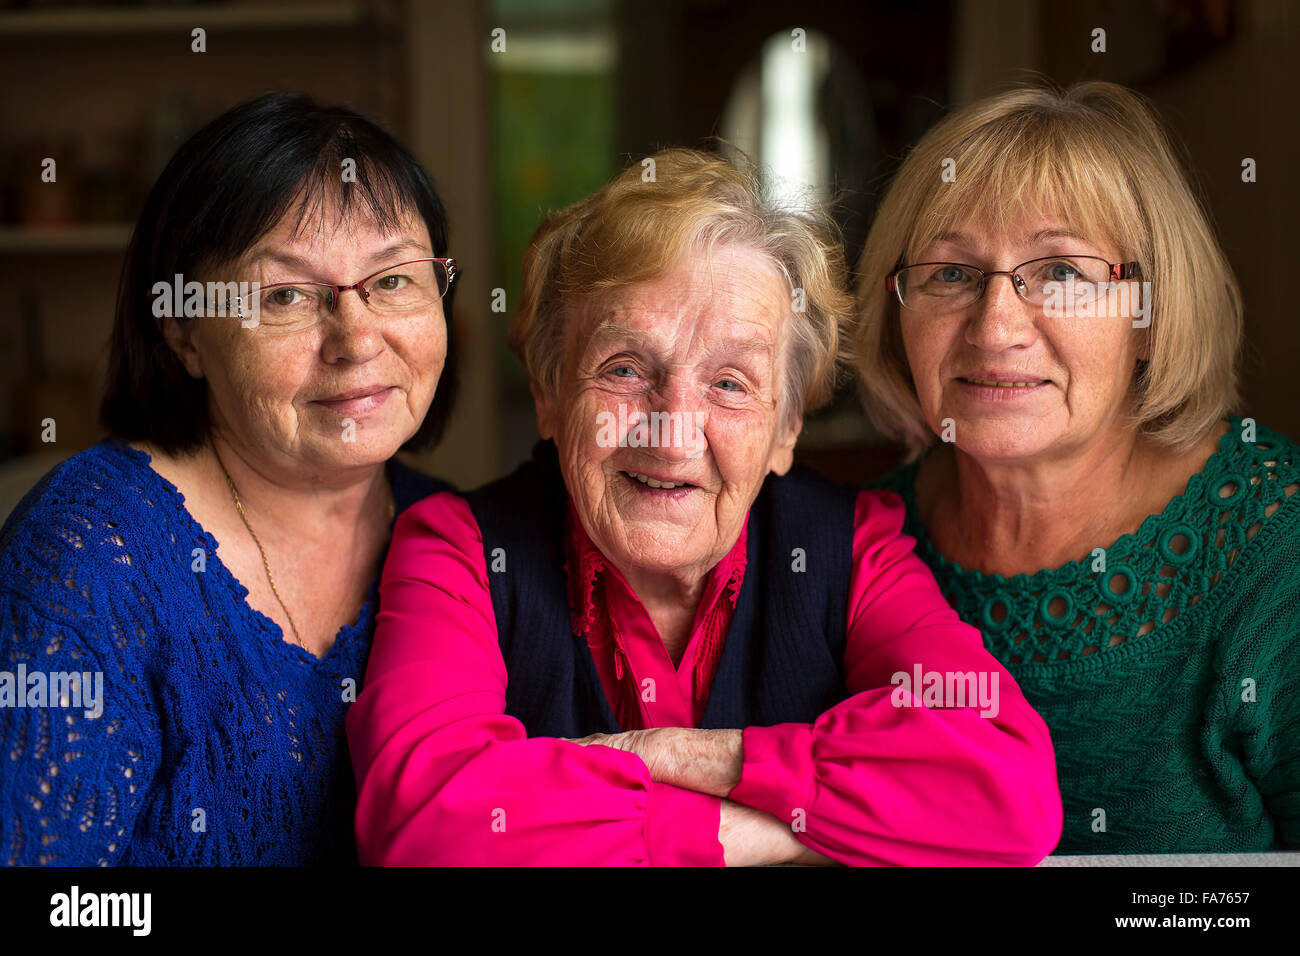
(187, 606)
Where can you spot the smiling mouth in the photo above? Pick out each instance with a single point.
(988, 383)
(655, 483)
(353, 395)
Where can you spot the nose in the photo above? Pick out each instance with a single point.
(679, 409)
(353, 332)
(1001, 318)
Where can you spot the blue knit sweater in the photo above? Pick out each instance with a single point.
(219, 743)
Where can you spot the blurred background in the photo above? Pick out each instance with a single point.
(518, 107)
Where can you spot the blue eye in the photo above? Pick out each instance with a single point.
(735, 386)
(1063, 272)
(952, 274)
(619, 369)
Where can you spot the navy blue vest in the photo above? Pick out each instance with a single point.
(783, 656)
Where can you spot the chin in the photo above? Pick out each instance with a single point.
(1000, 440)
(649, 552)
(367, 449)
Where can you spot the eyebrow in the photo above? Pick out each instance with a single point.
(744, 347)
(1039, 237)
(402, 246)
(612, 332)
(1043, 235)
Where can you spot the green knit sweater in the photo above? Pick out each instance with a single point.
(1170, 679)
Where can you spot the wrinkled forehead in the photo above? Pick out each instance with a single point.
(727, 294)
(330, 237)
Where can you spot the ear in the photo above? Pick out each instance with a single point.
(546, 411)
(782, 456)
(180, 340)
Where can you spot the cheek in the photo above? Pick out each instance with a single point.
(582, 456)
(925, 351)
(1098, 365)
(424, 351)
(579, 424)
(741, 443)
(924, 362)
(435, 340)
(258, 373)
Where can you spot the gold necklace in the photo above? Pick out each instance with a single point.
(262, 551)
(270, 579)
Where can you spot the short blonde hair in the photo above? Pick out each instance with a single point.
(1096, 154)
(634, 229)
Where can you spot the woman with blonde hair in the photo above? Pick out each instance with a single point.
(658, 642)
(1049, 325)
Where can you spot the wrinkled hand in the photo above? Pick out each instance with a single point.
(710, 761)
(707, 761)
(752, 837)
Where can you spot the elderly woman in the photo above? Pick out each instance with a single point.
(211, 569)
(657, 642)
(1062, 319)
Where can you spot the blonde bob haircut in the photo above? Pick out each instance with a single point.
(638, 226)
(1096, 155)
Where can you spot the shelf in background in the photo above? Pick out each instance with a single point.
(43, 240)
(91, 20)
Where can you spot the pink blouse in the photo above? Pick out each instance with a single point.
(641, 683)
(897, 773)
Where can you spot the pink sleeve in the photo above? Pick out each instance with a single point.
(444, 776)
(880, 779)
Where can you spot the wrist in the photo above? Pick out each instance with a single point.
(709, 761)
(752, 837)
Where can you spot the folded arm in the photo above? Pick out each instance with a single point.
(900, 772)
(446, 777)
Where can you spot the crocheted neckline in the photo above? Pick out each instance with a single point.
(1124, 544)
(1150, 583)
(345, 635)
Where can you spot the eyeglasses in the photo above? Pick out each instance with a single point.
(405, 288)
(934, 288)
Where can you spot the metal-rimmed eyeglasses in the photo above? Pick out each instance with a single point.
(934, 288)
(404, 288)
